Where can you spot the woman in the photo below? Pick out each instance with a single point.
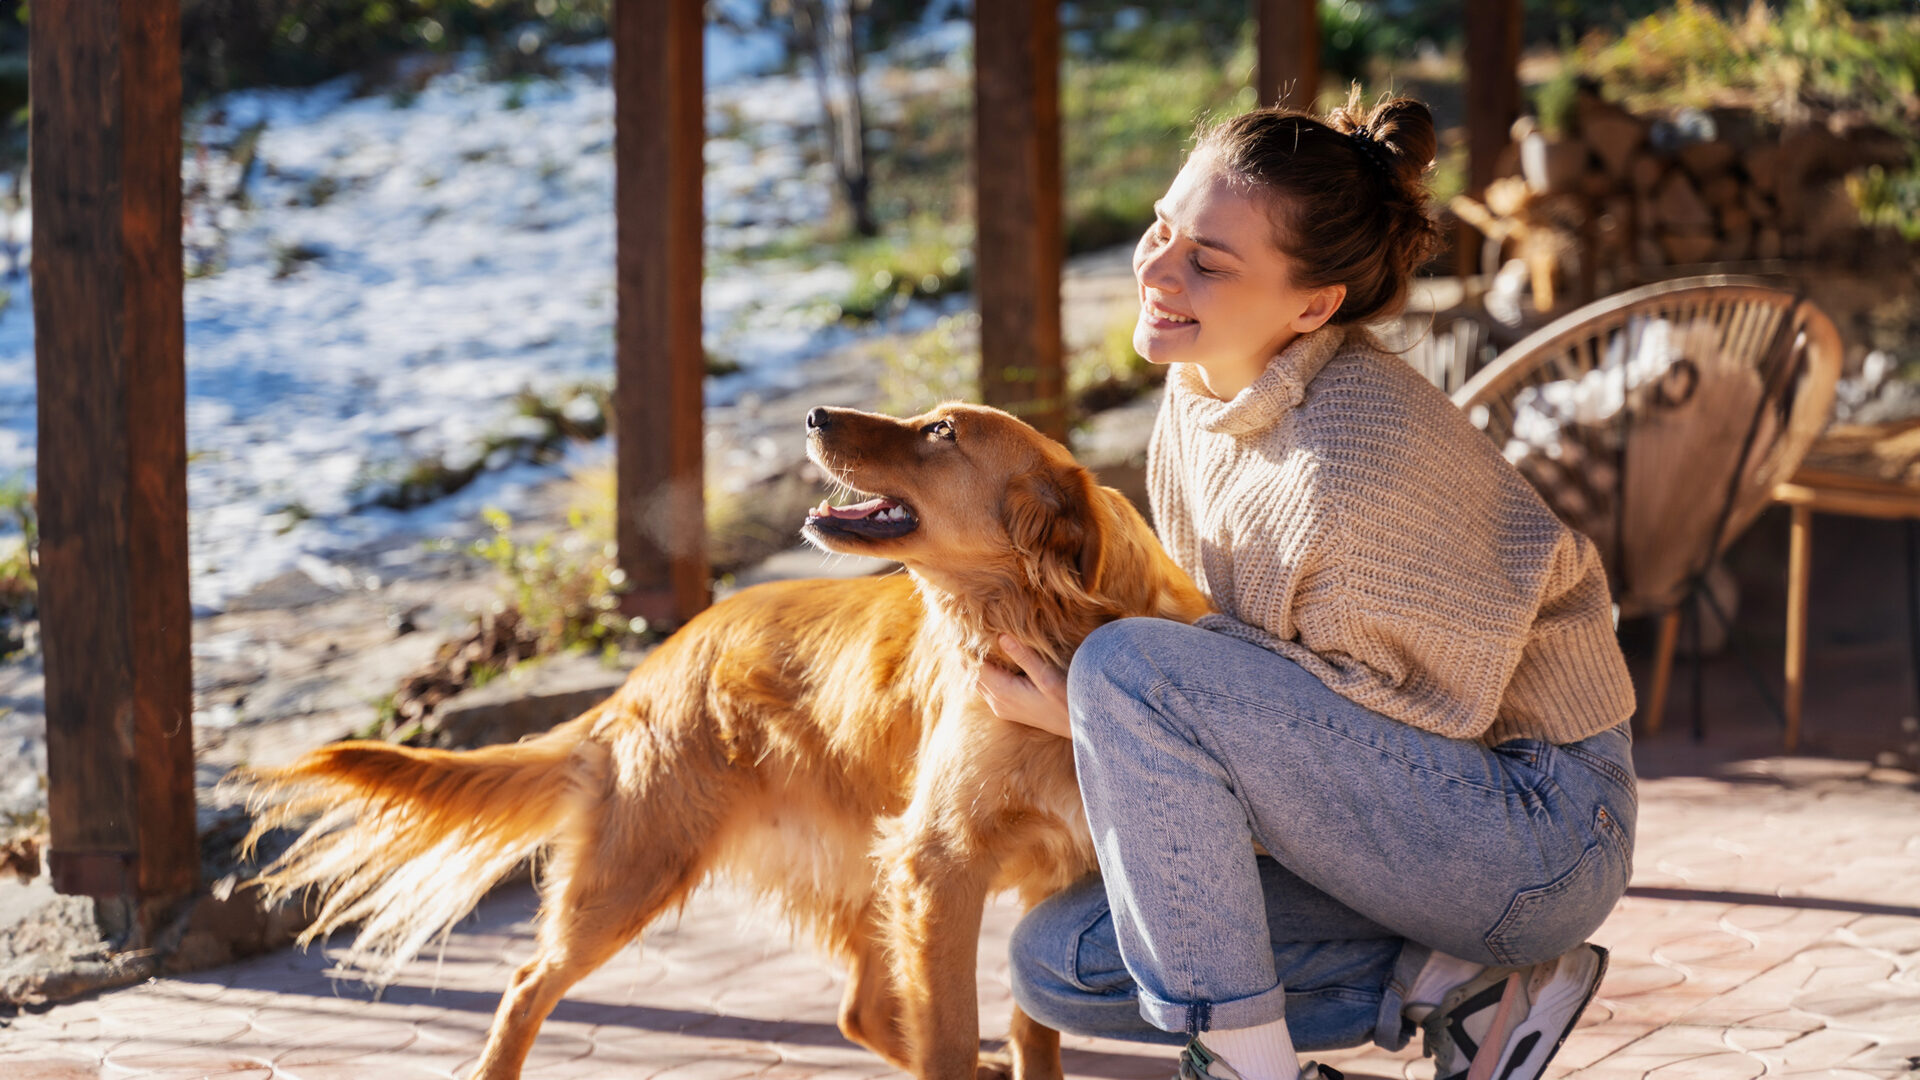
(1411, 695)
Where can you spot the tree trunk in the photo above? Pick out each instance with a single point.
(827, 33)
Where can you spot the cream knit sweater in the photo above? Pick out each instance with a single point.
(1344, 514)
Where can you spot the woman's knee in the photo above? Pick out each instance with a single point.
(1116, 659)
(1066, 970)
(1048, 945)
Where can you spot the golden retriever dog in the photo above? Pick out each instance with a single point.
(821, 741)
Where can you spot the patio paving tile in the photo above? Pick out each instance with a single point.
(1774, 930)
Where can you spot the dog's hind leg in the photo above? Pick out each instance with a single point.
(1035, 1048)
(870, 1009)
(607, 889)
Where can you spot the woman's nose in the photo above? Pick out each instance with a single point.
(1155, 270)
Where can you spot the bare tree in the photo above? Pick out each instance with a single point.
(824, 30)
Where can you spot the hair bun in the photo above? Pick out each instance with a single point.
(1405, 127)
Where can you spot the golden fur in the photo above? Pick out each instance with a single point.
(822, 741)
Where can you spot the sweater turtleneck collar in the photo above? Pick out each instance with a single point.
(1280, 387)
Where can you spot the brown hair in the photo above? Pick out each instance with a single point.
(1349, 193)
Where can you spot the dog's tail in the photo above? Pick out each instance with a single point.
(406, 841)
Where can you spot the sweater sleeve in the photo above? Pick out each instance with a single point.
(1572, 671)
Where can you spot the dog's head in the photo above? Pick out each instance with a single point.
(986, 509)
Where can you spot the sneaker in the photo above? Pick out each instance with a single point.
(1199, 1063)
(1507, 1023)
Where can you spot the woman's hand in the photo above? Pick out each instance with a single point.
(1037, 699)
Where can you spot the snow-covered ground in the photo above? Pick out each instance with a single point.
(402, 266)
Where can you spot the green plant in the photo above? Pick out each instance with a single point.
(941, 364)
(1110, 372)
(1352, 35)
(1889, 199)
(567, 589)
(516, 98)
(1775, 61)
(1553, 101)
(228, 44)
(928, 259)
(19, 568)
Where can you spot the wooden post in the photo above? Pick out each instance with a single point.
(1016, 140)
(1799, 569)
(112, 465)
(1287, 71)
(1493, 102)
(658, 136)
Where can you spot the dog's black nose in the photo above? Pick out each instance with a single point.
(816, 419)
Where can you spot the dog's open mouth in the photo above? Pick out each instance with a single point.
(878, 518)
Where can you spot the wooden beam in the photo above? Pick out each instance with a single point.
(1016, 129)
(658, 137)
(109, 350)
(1287, 68)
(1493, 102)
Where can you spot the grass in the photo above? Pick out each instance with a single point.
(943, 364)
(1127, 117)
(1128, 125)
(924, 260)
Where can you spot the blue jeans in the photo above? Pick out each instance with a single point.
(1387, 842)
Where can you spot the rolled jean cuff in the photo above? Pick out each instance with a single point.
(1194, 1017)
(1390, 1032)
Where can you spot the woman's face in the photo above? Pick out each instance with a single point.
(1214, 290)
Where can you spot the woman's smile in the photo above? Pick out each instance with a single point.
(1166, 319)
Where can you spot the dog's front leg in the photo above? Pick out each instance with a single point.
(935, 900)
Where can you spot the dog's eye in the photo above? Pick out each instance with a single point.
(940, 429)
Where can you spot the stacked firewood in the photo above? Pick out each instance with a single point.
(1618, 195)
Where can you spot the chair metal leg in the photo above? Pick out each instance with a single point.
(1704, 603)
(1697, 610)
(1913, 601)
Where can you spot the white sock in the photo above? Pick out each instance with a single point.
(1438, 975)
(1264, 1052)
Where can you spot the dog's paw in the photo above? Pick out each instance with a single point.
(993, 1067)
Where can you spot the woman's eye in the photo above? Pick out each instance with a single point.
(940, 429)
(1203, 268)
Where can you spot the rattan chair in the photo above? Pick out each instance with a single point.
(1658, 422)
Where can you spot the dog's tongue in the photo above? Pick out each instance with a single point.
(860, 510)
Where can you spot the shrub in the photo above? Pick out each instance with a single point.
(19, 569)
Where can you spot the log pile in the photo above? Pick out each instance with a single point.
(1618, 196)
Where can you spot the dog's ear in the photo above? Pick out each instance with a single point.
(1048, 515)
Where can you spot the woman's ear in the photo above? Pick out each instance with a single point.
(1321, 306)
